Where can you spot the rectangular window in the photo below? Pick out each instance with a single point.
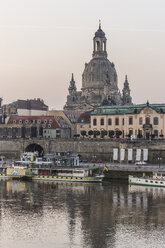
(117, 121)
(140, 121)
(130, 120)
(123, 121)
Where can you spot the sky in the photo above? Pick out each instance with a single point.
(42, 42)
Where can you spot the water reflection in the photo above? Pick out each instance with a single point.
(49, 214)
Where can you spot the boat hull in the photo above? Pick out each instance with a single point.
(69, 179)
(146, 181)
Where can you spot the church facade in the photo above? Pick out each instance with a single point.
(99, 81)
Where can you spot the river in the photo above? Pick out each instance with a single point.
(80, 215)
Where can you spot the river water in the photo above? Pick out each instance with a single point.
(68, 215)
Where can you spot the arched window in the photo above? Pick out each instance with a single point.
(156, 121)
(109, 121)
(148, 120)
(98, 45)
(94, 122)
(117, 121)
(102, 122)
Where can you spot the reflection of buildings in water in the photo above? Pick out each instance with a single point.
(15, 186)
(92, 209)
(156, 192)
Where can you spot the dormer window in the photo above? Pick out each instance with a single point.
(49, 125)
(26, 122)
(39, 121)
(14, 121)
(20, 121)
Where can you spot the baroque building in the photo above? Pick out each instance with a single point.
(145, 121)
(99, 81)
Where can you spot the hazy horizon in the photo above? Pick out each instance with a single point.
(43, 42)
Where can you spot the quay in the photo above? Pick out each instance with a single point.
(120, 172)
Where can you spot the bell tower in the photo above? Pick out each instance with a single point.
(127, 99)
(99, 43)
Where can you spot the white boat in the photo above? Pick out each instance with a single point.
(156, 180)
(67, 174)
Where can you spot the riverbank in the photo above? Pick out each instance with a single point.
(122, 171)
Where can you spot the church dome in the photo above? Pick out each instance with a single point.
(99, 33)
(98, 72)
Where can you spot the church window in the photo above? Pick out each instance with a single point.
(130, 120)
(102, 122)
(94, 122)
(140, 121)
(156, 121)
(117, 121)
(109, 121)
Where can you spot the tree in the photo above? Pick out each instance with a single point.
(103, 133)
(90, 132)
(111, 133)
(83, 133)
(96, 133)
(76, 135)
(118, 133)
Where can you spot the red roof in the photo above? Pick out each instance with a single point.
(46, 121)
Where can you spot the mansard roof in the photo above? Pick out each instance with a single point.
(55, 121)
(127, 109)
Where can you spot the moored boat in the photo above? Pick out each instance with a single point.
(156, 180)
(48, 169)
(68, 174)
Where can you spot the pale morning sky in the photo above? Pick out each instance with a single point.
(43, 41)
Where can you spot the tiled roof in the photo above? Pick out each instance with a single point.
(45, 121)
(127, 109)
(72, 115)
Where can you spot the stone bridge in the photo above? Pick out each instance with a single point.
(99, 149)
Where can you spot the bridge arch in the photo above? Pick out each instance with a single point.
(34, 147)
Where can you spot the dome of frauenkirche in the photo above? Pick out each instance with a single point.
(98, 72)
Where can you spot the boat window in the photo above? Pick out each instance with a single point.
(161, 182)
(151, 181)
(156, 182)
(146, 181)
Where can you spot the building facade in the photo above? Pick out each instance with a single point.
(99, 81)
(49, 127)
(30, 107)
(145, 121)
